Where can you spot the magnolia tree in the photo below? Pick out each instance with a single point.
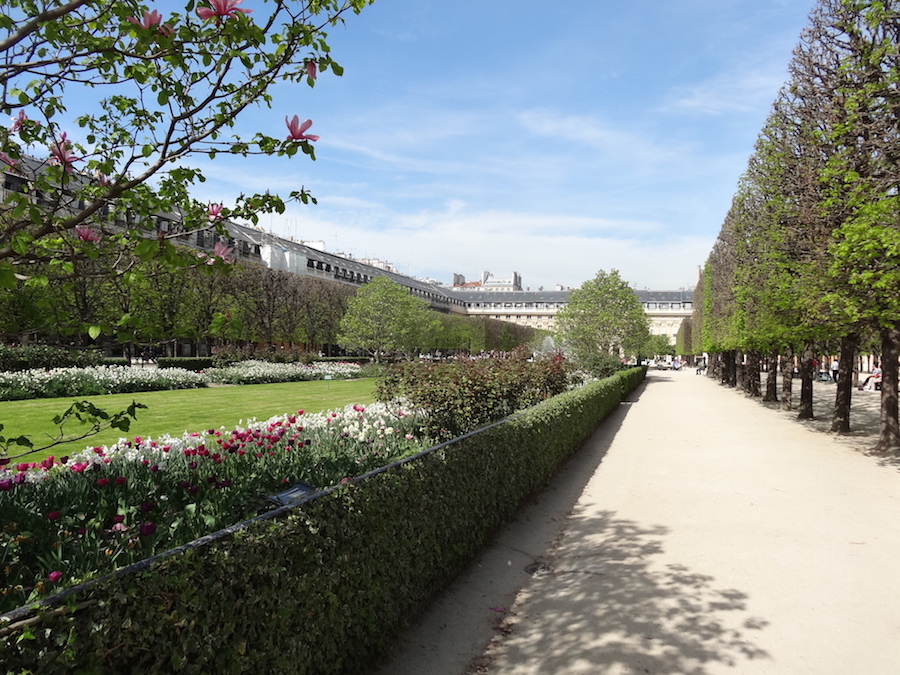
(110, 101)
(162, 88)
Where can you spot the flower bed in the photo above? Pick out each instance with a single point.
(66, 520)
(326, 586)
(263, 372)
(93, 380)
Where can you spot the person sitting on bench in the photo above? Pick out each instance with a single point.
(876, 375)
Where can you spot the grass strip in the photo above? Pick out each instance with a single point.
(174, 412)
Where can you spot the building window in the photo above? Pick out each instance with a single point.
(651, 305)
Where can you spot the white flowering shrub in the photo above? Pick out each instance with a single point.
(94, 380)
(263, 372)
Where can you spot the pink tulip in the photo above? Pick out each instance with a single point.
(54, 576)
(150, 20)
(297, 130)
(221, 9)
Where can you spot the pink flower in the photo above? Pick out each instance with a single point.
(54, 576)
(150, 20)
(78, 467)
(86, 234)
(53, 515)
(62, 155)
(310, 70)
(296, 130)
(147, 529)
(102, 482)
(214, 211)
(222, 251)
(6, 159)
(18, 122)
(221, 9)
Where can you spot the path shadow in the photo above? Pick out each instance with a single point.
(603, 604)
(460, 622)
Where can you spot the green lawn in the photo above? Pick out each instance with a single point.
(175, 412)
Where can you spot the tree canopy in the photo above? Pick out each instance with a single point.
(383, 317)
(602, 317)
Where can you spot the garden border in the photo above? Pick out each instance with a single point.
(355, 560)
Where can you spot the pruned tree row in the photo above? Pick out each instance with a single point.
(807, 260)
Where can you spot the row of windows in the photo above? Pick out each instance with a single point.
(667, 305)
(517, 305)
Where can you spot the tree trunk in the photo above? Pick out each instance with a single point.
(729, 371)
(889, 440)
(807, 373)
(740, 370)
(751, 374)
(787, 379)
(771, 395)
(840, 422)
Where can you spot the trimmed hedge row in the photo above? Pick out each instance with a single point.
(28, 357)
(326, 586)
(185, 362)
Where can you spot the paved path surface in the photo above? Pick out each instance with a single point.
(698, 532)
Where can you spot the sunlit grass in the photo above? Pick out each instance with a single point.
(174, 412)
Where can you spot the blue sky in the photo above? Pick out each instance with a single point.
(516, 135)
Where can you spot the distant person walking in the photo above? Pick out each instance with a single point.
(834, 370)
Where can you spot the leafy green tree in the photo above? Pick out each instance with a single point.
(604, 317)
(656, 345)
(155, 90)
(383, 317)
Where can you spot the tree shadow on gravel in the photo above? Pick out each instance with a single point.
(460, 622)
(603, 603)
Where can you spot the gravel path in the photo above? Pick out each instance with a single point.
(698, 532)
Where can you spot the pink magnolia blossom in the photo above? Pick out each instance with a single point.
(221, 9)
(18, 121)
(297, 130)
(311, 69)
(61, 153)
(214, 211)
(102, 179)
(150, 20)
(222, 251)
(85, 233)
(6, 159)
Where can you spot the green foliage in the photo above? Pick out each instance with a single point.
(384, 318)
(32, 356)
(328, 585)
(603, 315)
(185, 362)
(462, 395)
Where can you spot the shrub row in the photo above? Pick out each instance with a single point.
(186, 362)
(328, 585)
(27, 357)
(467, 394)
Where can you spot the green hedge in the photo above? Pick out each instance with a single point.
(326, 586)
(185, 362)
(47, 357)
